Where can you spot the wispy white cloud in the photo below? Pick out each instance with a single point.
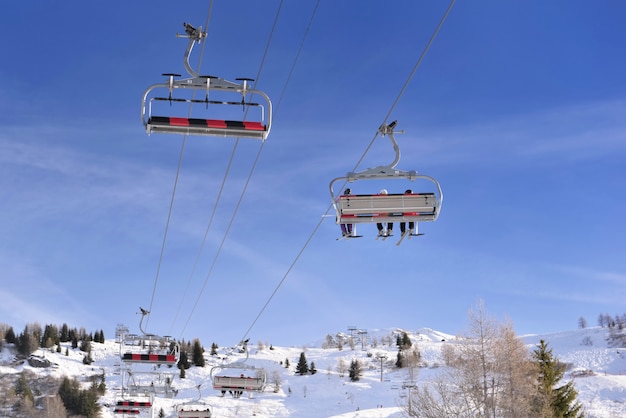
(29, 296)
(569, 133)
(593, 275)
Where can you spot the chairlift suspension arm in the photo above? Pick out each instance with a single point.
(194, 35)
(144, 313)
(388, 130)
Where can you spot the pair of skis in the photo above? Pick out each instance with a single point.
(349, 236)
(409, 234)
(384, 236)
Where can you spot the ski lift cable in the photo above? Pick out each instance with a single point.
(244, 190)
(179, 165)
(290, 268)
(277, 107)
(204, 239)
(406, 83)
(215, 205)
(202, 245)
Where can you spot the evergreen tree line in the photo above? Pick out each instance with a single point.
(26, 398)
(491, 373)
(302, 367)
(196, 350)
(79, 401)
(35, 336)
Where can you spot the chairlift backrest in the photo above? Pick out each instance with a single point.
(194, 412)
(250, 384)
(415, 207)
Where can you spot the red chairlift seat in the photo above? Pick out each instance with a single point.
(213, 127)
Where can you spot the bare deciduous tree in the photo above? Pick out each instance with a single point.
(342, 368)
(276, 380)
(488, 375)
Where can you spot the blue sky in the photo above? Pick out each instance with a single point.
(517, 110)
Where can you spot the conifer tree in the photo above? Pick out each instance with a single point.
(27, 342)
(355, 370)
(87, 359)
(9, 337)
(85, 346)
(406, 341)
(213, 349)
(65, 333)
(23, 389)
(77, 401)
(183, 362)
(302, 367)
(553, 401)
(400, 359)
(312, 369)
(198, 353)
(50, 335)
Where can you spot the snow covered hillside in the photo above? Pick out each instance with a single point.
(599, 374)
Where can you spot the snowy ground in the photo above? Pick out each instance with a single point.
(599, 374)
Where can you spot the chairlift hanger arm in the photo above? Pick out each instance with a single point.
(194, 35)
(144, 313)
(388, 130)
(383, 171)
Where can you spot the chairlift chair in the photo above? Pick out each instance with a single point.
(238, 377)
(228, 95)
(194, 409)
(242, 381)
(150, 383)
(149, 348)
(395, 207)
(133, 407)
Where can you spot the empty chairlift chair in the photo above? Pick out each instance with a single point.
(205, 105)
(194, 409)
(133, 408)
(148, 348)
